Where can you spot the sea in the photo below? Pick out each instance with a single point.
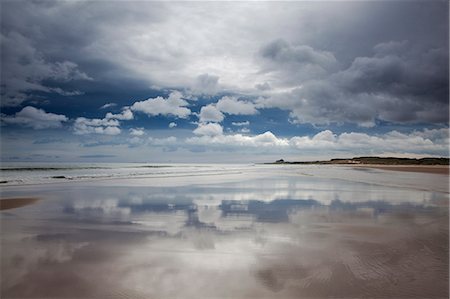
(25, 173)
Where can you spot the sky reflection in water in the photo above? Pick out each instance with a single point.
(260, 238)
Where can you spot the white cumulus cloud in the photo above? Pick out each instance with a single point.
(240, 124)
(174, 105)
(108, 105)
(210, 113)
(35, 118)
(104, 126)
(126, 114)
(267, 139)
(229, 105)
(427, 142)
(210, 129)
(109, 125)
(137, 131)
(232, 105)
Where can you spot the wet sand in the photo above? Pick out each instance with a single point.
(13, 203)
(435, 169)
(282, 236)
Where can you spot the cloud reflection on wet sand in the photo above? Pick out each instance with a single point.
(195, 243)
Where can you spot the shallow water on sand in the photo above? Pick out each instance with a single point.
(264, 232)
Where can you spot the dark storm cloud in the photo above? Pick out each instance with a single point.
(25, 69)
(393, 66)
(399, 82)
(298, 60)
(55, 47)
(352, 29)
(401, 72)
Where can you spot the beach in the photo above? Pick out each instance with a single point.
(224, 149)
(13, 203)
(225, 231)
(436, 169)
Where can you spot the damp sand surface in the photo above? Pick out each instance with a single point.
(13, 203)
(435, 169)
(264, 233)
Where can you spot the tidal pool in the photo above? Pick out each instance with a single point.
(263, 232)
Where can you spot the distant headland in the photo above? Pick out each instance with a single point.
(374, 161)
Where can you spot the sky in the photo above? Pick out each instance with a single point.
(225, 82)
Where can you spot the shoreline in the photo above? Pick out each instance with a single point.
(196, 177)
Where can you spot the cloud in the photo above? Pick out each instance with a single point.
(392, 142)
(206, 84)
(320, 103)
(67, 71)
(402, 87)
(95, 122)
(97, 156)
(403, 65)
(109, 125)
(47, 140)
(281, 53)
(264, 86)
(126, 114)
(324, 64)
(431, 142)
(229, 105)
(244, 130)
(232, 105)
(167, 141)
(219, 40)
(26, 70)
(108, 105)
(33, 54)
(35, 118)
(391, 47)
(137, 131)
(172, 125)
(240, 124)
(104, 126)
(267, 139)
(210, 129)
(210, 113)
(174, 105)
(287, 66)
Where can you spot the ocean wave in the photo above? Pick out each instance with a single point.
(14, 176)
(78, 168)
